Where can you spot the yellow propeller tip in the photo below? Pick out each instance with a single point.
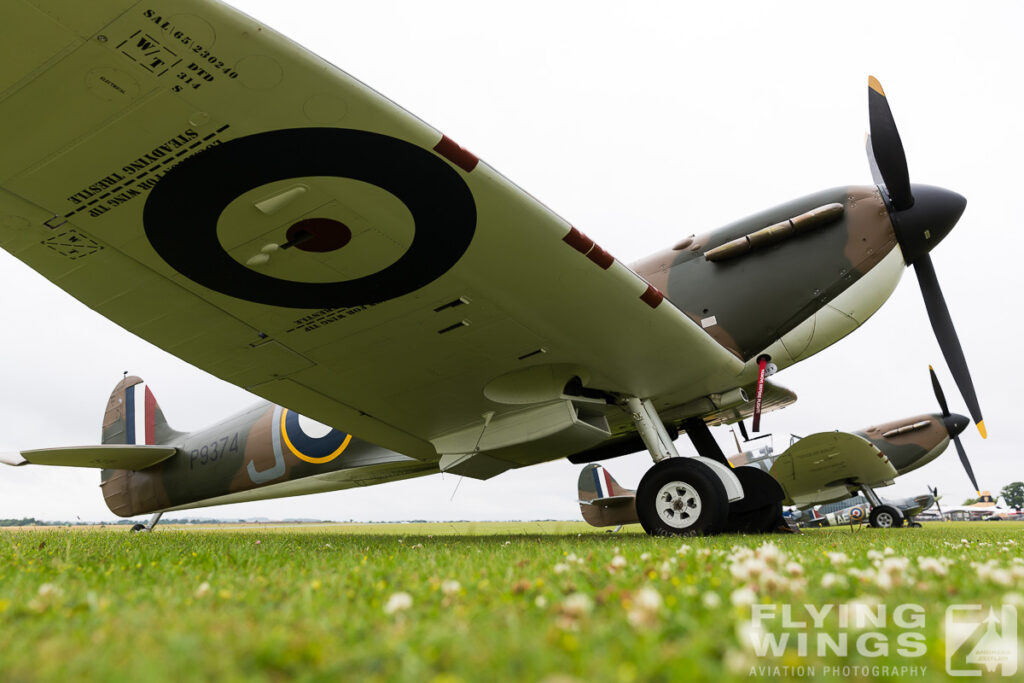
(875, 85)
(981, 428)
(931, 368)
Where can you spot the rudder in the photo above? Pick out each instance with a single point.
(133, 416)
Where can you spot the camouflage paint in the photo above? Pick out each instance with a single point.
(245, 452)
(757, 297)
(912, 449)
(609, 514)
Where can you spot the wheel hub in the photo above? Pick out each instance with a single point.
(678, 504)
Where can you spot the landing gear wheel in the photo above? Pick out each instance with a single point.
(682, 497)
(885, 517)
(138, 527)
(760, 510)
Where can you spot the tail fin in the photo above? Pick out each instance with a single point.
(603, 502)
(134, 417)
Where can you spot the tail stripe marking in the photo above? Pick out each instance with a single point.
(129, 415)
(139, 415)
(139, 403)
(597, 482)
(150, 417)
(608, 481)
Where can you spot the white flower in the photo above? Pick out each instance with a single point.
(769, 552)
(541, 601)
(398, 602)
(743, 596)
(711, 600)
(838, 558)
(934, 565)
(794, 569)
(577, 605)
(450, 587)
(683, 549)
(203, 589)
(889, 551)
(618, 562)
(875, 555)
(647, 598)
(829, 580)
(645, 557)
(561, 568)
(644, 612)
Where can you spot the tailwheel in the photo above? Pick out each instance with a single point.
(681, 497)
(914, 525)
(138, 527)
(760, 509)
(885, 517)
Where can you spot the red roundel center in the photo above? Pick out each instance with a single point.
(319, 235)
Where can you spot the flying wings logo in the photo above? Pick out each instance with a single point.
(980, 640)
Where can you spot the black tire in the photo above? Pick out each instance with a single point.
(885, 517)
(914, 525)
(760, 509)
(681, 497)
(138, 527)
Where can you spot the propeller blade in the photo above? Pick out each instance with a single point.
(876, 175)
(966, 463)
(945, 334)
(939, 396)
(887, 148)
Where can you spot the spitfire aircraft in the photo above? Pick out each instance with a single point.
(856, 510)
(222, 193)
(833, 466)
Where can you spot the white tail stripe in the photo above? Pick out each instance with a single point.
(140, 413)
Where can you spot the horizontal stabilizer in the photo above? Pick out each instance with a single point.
(107, 456)
(609, 502)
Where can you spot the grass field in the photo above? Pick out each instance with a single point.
(476, 602)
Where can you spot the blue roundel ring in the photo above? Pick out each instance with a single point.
(315, 450)
(856, 513)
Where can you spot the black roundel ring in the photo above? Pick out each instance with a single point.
(181, 212)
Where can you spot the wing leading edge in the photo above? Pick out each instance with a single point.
(273, 221)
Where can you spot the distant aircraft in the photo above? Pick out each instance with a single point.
(986, 506)
(858, 510)
(833, 466)
(222, 193)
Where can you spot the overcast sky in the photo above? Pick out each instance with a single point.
(640, 123)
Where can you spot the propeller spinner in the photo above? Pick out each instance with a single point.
(921, 216)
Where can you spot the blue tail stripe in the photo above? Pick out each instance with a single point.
(129, 415)
(597, 481)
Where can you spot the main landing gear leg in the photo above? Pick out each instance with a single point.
(679, 496)
(760, 510)
(882, 516)
(148, 526)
